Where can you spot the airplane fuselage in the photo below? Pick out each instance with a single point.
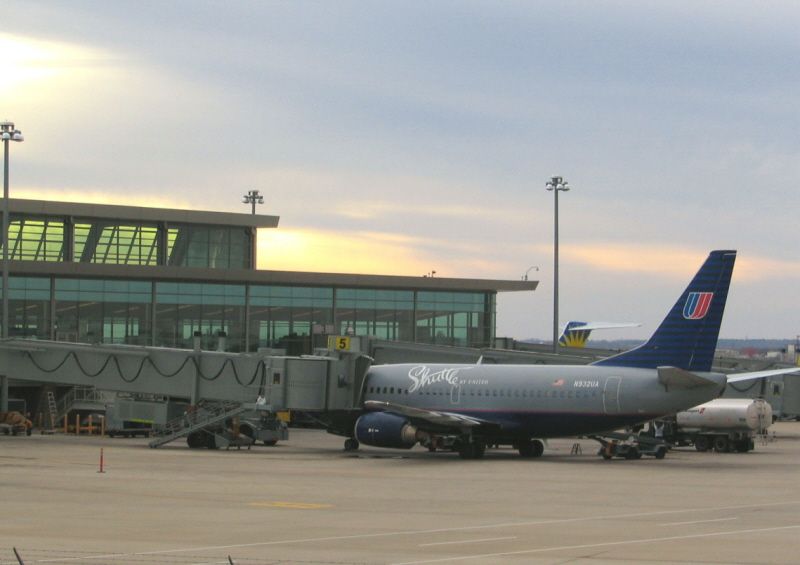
(537, 400)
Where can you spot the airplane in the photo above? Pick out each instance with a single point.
(471, 406)
(576, 334)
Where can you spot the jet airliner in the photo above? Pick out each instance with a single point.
(472, 406)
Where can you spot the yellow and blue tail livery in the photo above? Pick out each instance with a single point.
(576, 334)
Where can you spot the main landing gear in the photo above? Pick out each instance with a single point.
(351, 444)
(530, 448)
(472, 449)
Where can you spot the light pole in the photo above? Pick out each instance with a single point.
(535, 268)
(556, 184)
(253, 197)
(8, 133)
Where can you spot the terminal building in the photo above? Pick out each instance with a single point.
(110, 274)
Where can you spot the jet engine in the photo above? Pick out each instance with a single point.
(381, 429)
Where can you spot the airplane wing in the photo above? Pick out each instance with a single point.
(739, 377)
(604, 325)
(430, 417)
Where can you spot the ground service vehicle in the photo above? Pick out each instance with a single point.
(15, 423)
(724, 424)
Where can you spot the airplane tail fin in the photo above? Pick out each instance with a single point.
(571, 337)
(687, 338)
(576, 334)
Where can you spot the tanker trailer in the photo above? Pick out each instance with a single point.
(724, 424)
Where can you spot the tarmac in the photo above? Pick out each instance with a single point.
(307, 501)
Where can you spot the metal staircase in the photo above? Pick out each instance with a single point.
(205, 414)
(79, 397)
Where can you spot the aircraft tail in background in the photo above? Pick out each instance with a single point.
(576, 334)
(687, 338)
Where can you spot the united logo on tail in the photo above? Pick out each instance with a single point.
(697, 305)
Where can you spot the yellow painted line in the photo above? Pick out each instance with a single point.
(291, 505)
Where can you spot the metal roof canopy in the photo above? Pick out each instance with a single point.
(240, 276)
(113, 212)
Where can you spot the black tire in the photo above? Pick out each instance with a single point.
(661, 452)
(196, 440)
(351, 444)
(721, 444)
(701, 443)
(270, 442)
(538, 448)
(633, 453)
(472, 450)
(526, 449)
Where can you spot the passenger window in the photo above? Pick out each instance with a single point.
(391, 390)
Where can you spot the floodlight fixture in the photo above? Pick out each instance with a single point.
(253, 197)
(555, 185)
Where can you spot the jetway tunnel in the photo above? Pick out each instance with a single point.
(329, 381)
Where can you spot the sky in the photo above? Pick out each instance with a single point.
(402, 138)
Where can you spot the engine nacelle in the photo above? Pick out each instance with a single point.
(380, 429)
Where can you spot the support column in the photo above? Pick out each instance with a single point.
(3, 393)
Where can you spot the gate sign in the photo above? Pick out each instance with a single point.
(339, 342)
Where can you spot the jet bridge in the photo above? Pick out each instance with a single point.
(312, 383)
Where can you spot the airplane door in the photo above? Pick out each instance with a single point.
(611, 395)
(455, 394)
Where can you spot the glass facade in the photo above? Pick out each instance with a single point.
(147, 311)
(170, 314)
(36, 239)
(287, 317)
(29, 307)
(452, 318)
(102, 311)
(113, 242)
(185, 308)
(386, 314)
(214, 247)
(116, 244)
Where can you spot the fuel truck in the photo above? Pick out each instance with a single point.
(724, 424)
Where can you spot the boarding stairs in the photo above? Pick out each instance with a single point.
(203, 415)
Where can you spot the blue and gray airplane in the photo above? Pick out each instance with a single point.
(471, 406)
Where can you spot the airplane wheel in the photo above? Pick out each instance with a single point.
(525, 449)
(351, 444)
(472, 450)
